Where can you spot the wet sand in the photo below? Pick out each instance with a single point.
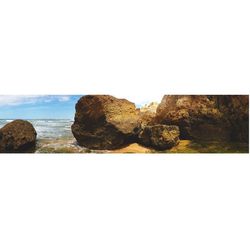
(69, 145)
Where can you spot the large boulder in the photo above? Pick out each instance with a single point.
(17, 137)
(159, 137)
(105, 122)
(206, 117)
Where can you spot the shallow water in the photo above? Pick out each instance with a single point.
(187, 146)
(55, 136)
(184, 146)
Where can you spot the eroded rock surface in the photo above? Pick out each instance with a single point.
(159, 137)
(235, 109)
(18, 136)
(206, 117)
(105, 122)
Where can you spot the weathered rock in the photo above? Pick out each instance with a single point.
(202, 117)
(17, 137)
(147, 114)
(159, 137)
(105, 122)
(147, 118)
(235, 109)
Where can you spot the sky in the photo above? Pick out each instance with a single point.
(37, 106)
(40, 106)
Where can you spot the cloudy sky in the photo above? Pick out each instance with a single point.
(41, 106)
(37, 107)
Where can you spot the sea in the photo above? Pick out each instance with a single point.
(49, 128)
(53, 135)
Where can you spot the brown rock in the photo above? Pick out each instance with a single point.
(146, 118)
(17, 137)
(235, 108)
(159, 137)
(105, 122)
(202, 117)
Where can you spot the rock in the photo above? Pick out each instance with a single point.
(147, 119)
(147, 114)
(17, 137)
(151, 107)
(235, 108)
(105, 122)
(159, 137)
(221, 118)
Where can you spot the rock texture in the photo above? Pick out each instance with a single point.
(206, 117)
(105, 122)
(159, 137)
(235, 109)
(148, 113)
(17, 137)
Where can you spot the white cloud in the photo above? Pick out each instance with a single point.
(63, 98)
(14, 100)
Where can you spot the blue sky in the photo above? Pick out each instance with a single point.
(38, 107)
(41, 106)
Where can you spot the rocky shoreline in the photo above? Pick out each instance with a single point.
(179, 124)
(184, 146)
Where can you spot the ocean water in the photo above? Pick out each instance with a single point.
(53, 136)
(49, 128)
